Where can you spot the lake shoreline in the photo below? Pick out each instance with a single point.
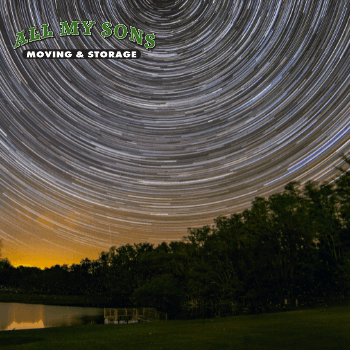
(55, 300)
(18, 316)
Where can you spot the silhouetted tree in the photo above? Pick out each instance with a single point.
(294, 244)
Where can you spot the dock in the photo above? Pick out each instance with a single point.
(133, 315)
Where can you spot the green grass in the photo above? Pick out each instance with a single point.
(308, 329)
(61, 300)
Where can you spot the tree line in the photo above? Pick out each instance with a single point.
(292, 245)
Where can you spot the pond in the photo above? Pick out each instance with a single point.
(15, 316)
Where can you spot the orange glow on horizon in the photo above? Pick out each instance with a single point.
(42, 264)
(48, 258)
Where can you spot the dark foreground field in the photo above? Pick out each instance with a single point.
(308, 329)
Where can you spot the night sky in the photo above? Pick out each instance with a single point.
(237, 99)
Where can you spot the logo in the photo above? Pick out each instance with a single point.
(120, 31)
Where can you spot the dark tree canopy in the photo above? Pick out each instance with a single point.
(292, 245)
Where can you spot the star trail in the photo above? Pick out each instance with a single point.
(236, 99)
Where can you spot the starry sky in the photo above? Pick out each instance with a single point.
(238, 98)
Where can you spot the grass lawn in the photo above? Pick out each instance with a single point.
(307, 329)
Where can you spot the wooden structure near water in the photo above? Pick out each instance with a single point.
(133, 315)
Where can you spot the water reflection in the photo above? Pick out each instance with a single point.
(25, 325)
(27, 316)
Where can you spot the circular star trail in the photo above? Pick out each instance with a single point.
(237, 99)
